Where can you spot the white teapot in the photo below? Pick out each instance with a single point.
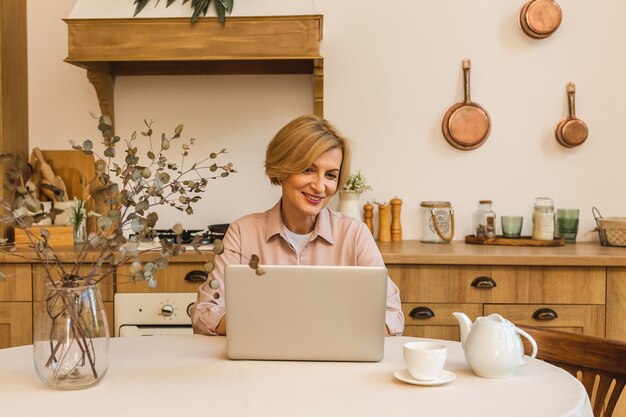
(492, 346)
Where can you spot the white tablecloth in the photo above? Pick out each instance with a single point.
(190, 375)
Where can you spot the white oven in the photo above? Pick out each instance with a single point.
(149, 314)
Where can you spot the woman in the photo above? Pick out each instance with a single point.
(310, 160)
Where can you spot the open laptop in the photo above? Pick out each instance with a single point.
(318, 313)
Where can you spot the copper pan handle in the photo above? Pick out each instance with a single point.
(571, 93)
(467, 65)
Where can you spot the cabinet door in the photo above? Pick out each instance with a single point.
(616, 305)
(17, 286)
(16, 324)
(585, 319)
(499, 284)
(177, 277)
(436, 320)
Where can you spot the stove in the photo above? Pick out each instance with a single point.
(150, 314)
(215, 231)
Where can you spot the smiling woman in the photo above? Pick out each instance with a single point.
(310, 159)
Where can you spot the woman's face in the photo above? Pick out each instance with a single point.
(307, 193)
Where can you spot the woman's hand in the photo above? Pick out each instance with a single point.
(221, 327)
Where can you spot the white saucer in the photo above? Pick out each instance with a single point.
(404, 376)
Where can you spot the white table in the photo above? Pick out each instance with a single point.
(190, 375)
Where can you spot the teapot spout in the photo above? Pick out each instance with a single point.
(465, 325)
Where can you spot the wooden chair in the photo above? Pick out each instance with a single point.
(587, 358)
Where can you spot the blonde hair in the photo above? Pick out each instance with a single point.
(299, 143)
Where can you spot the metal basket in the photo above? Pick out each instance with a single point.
(612, 230)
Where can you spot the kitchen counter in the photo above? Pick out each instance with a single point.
(416, 252)
(461, 253)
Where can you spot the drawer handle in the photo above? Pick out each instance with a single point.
(484, 282)
(422, 313)
(196, 276)
(545, 314)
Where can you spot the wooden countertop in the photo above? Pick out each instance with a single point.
(416, 252)
(461, 253)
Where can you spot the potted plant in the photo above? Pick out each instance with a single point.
(71, 332)
(200, 7)
(349, 195)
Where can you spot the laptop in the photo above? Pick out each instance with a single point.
(313, 313)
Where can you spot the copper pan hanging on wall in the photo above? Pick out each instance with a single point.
(571, 131)
(466, 125)
(540, 18)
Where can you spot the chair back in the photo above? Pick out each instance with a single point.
(597, 362)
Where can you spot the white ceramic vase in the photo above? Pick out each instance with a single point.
(349, 203)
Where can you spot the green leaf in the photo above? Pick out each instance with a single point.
(178, 130)
(140, 4)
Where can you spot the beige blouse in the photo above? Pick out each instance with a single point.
(336, 240)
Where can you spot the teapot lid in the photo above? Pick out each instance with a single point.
(495, 320)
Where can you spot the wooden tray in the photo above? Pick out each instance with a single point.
(509, 241)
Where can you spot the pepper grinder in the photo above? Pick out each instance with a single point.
(384, 222)
(396, 227)
(368, 215)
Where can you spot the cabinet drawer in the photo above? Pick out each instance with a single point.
(500, 284)
(18, 285)
(585, 319)
(436, 320)
(39, 278)
(177, 277)
(16, 324)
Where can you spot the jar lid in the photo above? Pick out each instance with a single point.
(436, 204)
(544, 202)
(484, 201)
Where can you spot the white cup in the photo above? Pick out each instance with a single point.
(425, 360)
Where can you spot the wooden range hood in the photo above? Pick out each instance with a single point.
(107, 48)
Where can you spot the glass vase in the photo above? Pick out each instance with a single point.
(80, 233)
(349, 203)
(71, 338)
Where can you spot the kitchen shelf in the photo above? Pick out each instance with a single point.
(107, 48)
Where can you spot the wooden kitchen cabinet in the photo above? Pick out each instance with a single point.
(574, 295)
(616, 304)
(16, 324)
(579, 288)
(178, 277)
(16, 317)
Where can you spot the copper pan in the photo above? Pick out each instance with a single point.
(571, 131)
(540, 18)
(466, 125)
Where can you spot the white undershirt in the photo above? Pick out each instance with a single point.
(297, 241)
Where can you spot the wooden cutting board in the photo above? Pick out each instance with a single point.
(71, 166)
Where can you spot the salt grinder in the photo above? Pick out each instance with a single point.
(396, 227)
(384, 222)
(368, 215)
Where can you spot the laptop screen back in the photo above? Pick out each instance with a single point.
(324, 313)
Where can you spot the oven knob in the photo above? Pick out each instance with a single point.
(167, 310)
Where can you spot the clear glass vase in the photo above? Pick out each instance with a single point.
(71, 339)
(80, 233)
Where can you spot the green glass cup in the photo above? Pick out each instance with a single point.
(512, 226)
(567, 224)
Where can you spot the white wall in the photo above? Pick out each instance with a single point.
(390, 75)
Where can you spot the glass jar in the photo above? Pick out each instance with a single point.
(485, 220)
(543, 219)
